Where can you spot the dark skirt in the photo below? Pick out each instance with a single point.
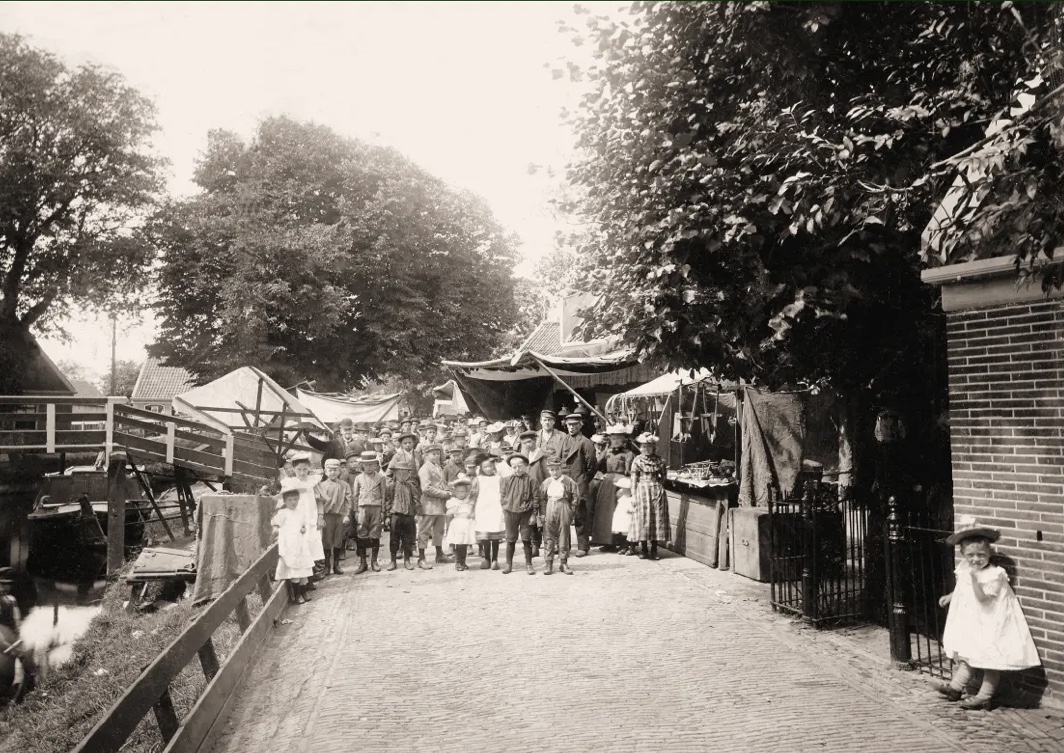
(605, 505)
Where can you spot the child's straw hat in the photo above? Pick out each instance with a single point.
(969, 528)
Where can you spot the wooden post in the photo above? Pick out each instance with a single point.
(49, 428)
(209, 659)
(563, 383)
(116, 515)
(166, 716)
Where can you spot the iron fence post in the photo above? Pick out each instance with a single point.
(810, 586)
(900, 647)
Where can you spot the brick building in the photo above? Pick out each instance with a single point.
(1005, 344)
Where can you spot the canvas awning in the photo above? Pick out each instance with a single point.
(370, 409)
(449, 400)
(242, 399)
(529, 365)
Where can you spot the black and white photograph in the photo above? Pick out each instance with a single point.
(497, 376)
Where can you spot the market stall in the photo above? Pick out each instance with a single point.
(731, 448)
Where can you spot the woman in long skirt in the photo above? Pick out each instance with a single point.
(651, 519)
(489, 520)
(615, 463)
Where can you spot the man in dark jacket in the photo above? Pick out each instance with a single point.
(580, 463)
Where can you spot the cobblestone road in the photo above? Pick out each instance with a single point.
(624, 655)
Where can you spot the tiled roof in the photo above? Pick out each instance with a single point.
(545, 339)
(162, 383)
(85, 388)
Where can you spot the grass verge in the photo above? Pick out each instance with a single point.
(105, 662)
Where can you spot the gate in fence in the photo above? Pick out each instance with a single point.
(821, 567)
(920, 571)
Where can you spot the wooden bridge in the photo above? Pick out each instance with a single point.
(243, 457)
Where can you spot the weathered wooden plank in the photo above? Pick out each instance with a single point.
(49, 427)
(195, 426)
(117, 724)
(160, 430)
(116, 516)
(208, 659)
(205, 721)
(243, 617)
(54, 399)
(166, 716)
(156, 450)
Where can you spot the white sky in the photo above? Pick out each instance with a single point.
(461, 88)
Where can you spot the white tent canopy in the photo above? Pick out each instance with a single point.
(370, 409)
(226, 402)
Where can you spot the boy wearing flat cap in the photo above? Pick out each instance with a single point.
(334, 499)
(370, 494)
(435, 492)
(557, 496)
(518, 492)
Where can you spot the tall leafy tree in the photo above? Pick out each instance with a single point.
(315, 256)
(755, 177)
(76, 175)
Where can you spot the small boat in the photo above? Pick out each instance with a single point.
(71, 509)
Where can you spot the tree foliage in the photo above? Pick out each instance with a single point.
(315, 256)
(126, 373)
(756, 176)
(76, 175)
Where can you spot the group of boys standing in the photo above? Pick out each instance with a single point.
(404, 476)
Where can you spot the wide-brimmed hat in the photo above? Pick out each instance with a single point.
(598, 438)
(514, 456)
(646, 438)
(618, 430)
(969, 528)
(409, 435)
(495, 428)
(385, 430)
(299, 457)
(369, 457)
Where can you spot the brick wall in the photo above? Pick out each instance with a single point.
(1006, 382)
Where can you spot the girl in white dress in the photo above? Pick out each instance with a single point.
(489, 522)
(461, 529)
(294, 563)
(308, 504)
(985, 628)
(622, 513)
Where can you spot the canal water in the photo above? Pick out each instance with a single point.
(58, 599)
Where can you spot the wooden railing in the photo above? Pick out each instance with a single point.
(51, 425)
(151, 691)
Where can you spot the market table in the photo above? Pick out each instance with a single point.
(698, 515)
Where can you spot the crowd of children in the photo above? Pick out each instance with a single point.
(465, 485)
(513, 481)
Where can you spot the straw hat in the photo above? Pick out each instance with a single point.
(646, 438)
(969, 528)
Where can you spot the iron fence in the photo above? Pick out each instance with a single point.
(819, 557)
(921, 571)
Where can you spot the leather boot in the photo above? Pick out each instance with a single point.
(527, 546)
(336, 562)
(421, 562)
(394, 564)
(293, 597)
(441, 558)
(303, 593)
(327, 569)
(550, 566)
(362, 567)
(373, 559)
(407, 563)
(510, 549)
(563, 567)
(485, 558)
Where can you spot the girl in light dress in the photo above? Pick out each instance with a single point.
(985, 627)
(308, 506)
(461, 526)
(294, 562)
(489, 522)
(622, 514)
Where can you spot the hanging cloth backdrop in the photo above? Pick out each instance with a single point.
(371, 409)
